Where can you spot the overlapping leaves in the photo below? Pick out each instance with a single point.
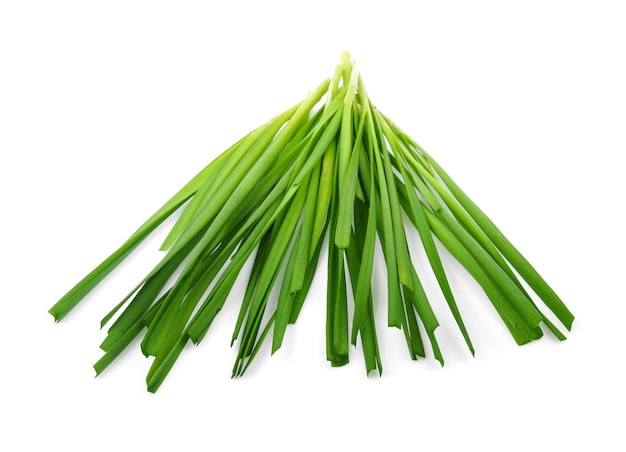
(338, 168)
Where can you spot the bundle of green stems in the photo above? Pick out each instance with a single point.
(332, 166)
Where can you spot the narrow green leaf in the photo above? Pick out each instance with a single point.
(80, 290)
(417, 346)
(395, 316)
(300, 296)
(397, 223)
(163, 366)
(348, 192)
(286, 296)
(354, 256)
(303, 247)
(324, 194)
(417, 297)
(361, 304)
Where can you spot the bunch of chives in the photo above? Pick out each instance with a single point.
(338, 167)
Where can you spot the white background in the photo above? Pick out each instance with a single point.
(107, 108)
